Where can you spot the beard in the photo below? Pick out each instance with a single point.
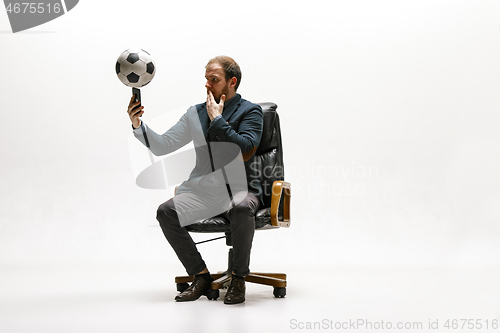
(225, 91)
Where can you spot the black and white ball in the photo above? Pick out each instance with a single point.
(135, 68)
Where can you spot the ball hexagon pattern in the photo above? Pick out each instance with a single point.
(135, 68)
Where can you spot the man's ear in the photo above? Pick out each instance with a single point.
(232, 82)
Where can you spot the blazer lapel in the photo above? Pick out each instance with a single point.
(232, 106)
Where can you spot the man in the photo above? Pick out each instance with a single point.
(223, 122)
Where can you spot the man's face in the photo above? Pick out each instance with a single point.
(216, 81)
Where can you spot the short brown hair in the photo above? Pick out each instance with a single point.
(230, 67)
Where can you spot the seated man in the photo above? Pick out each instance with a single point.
(225, 120)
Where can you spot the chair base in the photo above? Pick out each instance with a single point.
(223, 279)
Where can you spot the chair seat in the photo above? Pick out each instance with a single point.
(220, 224)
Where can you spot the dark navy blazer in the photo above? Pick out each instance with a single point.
(241, 124)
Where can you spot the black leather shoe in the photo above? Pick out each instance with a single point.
(236, 291)
(198, 288)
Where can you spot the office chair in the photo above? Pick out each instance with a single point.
(268, 159)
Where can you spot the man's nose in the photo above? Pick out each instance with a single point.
(207, 85)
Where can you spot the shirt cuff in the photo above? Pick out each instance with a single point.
(137, 128)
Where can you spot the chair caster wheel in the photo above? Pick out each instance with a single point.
(279, 292)
(182, 286)
(212, 294)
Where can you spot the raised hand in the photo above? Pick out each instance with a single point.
(214, 109)
(135, 114)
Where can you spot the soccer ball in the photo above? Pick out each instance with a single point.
(135, 68)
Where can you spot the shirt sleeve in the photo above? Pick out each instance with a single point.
(161, 144)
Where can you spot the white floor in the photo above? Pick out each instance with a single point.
(141, 300)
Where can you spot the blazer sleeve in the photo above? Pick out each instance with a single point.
(176, 137)
(249, 131)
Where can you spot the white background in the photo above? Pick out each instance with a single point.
(389, 113)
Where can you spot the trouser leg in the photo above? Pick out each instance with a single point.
(242, 219)
(179, 238)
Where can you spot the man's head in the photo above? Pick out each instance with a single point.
(223, 76)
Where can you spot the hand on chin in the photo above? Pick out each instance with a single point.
(216, 98)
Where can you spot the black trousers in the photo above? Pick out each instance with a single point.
(241, 218)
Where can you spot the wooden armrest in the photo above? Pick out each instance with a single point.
(280, 187)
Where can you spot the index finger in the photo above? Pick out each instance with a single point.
(210, 96)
